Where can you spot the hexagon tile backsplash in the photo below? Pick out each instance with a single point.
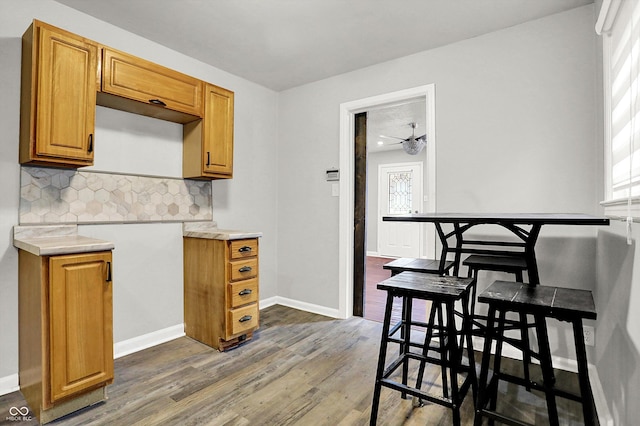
(71, 196)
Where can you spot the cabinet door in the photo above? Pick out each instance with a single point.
(217, 134)
(134, 78)
(65, 97)
(81, 330)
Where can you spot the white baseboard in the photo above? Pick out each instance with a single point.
(303, 306)
(148, 340)
(9, 384)
(265, 303)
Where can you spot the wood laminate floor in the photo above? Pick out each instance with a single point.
(374, 299)
(300, 369)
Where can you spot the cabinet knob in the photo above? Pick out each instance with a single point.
(244, 249)
(245, 318)
(245, 269)
(245, 292)
(90, 149)
(157, 102)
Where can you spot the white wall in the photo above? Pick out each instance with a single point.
(147, 257)
(617, 295)
(515, 124)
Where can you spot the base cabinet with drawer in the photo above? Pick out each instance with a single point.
(221, 290)
(65, 331)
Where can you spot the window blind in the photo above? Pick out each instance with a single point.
(619, 23)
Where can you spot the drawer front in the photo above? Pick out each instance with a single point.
(243, 269)
(243, 292)
(240, 249)
(134, 78)
(242, 320)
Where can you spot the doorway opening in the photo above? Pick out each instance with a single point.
(353, 192)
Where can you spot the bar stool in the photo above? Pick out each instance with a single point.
(542, 302)
(510, 265)
(428, 266)
(443, 292)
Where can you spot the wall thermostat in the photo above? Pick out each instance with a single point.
(333, 174)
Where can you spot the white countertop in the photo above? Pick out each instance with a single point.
(55, 240)
(210, 230)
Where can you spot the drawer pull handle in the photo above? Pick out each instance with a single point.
(245, 269)
(245, 292)
(157, 102)
(245, 318)
(244, 249)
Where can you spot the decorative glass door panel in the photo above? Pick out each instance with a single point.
(400, 192)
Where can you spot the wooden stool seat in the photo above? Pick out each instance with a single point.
(564, 304)
(542, 302)
(443, 292)
(429, 266)
(509, 264)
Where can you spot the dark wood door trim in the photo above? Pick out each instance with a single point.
(359, 214)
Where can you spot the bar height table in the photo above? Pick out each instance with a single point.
(525, 226)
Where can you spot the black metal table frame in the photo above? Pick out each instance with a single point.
(517, 223)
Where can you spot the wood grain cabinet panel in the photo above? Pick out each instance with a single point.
(65, 331)
(242, 292)
(220, 291)
(242, 269)
(241, 249)
(58, 97)
(242, 320)
(208, 143)
(158, 91)
(80, 301)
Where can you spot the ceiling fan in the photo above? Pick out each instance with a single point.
(411, 145)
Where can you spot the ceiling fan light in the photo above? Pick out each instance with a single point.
(413, 146)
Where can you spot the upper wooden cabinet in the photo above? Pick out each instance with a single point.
(156, 91)
(208, 144)
(58, 98)
(64, 76)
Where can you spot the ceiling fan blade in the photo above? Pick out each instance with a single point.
(392, 137)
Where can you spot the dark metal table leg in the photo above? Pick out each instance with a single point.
(381, 359)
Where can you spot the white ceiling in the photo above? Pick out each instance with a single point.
(394, 122)
(282, 44)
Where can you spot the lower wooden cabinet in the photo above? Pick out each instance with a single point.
(65, 331)
(221, 290)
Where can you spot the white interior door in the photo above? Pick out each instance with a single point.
(400, 192)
